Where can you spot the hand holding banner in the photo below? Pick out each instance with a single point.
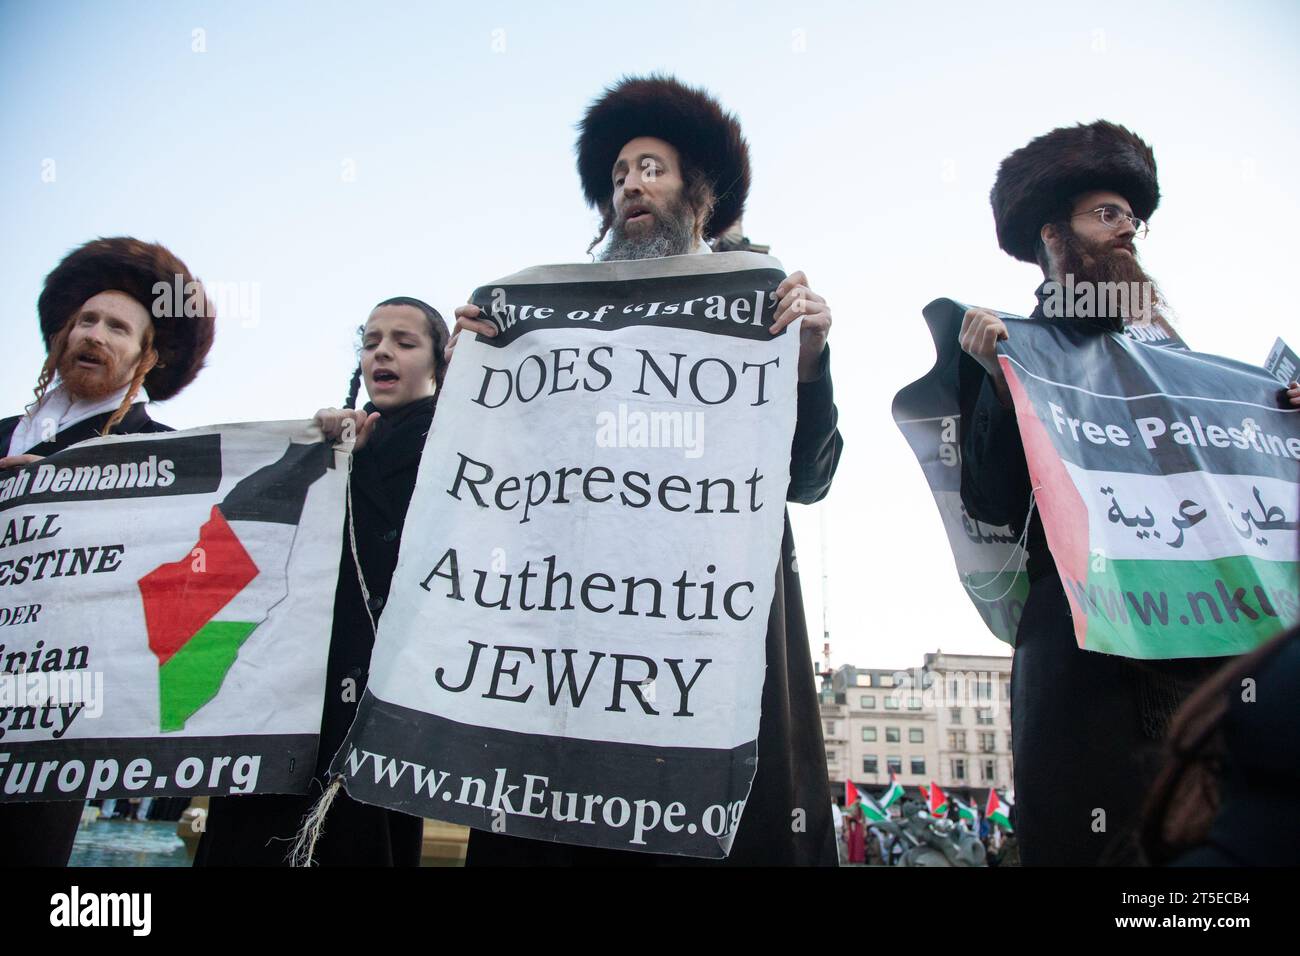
(573, 648)
(166, 602)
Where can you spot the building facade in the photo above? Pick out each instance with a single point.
(948, 721)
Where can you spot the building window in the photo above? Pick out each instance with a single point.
(870, 765)
(916, 735)
(895, 764)
(830, 728)
(868, 702)
(1006, 690)
(830, 756)
(956, 715)
(990, 770)
(918, 766)
(1008, 741)
(892, 735)
(959, 768)
(983, 716)
(956, 740)
(913, 703)
(954, 689)
(984, 689)
(884, 680)
(988, 742)
(891, 703)
(869, 734)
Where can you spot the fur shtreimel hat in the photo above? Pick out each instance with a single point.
(706, 135)
(123, 264)
(1036, 179)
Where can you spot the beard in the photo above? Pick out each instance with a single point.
(672, 234)
(91, 383)
(1103, 266)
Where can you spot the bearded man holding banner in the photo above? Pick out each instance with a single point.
(668, 170)
(124, 323)
(1085, 725)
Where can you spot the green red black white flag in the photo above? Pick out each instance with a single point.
(185, 585)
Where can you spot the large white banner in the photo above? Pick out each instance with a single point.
(165, 613)
(573, 649)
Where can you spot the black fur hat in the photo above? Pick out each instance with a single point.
(123, 264)
(1036, 179)
(693, 121)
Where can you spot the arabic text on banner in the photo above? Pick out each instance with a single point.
(1169, 486)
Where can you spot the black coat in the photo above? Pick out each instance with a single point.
(1085, 727)
(136, 421)
(258, 830)
(787, 818)
(42, 834)
(1257, 823)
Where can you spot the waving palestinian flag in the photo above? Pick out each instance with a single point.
(936, 799)
(998, 812)
(200, 609)
(894, 793)
(966, 812)
(873, 811)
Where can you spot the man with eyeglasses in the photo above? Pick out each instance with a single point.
(1086, 727)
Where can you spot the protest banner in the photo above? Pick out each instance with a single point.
(165, 611)
(990, 561)
(1167, 481)
(1282, 363)
(573, 647)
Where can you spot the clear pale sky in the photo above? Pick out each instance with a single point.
(335, 154)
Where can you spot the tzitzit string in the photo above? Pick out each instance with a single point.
(1023, 554)
(313, 824)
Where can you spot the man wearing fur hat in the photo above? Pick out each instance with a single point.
(1085, 726)
(668, 170)
(124, 322)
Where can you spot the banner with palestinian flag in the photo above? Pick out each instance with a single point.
(990, 560)
(169, 601)
(1169, 487)
(1167, 481)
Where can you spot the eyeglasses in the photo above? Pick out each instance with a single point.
(1113, 217)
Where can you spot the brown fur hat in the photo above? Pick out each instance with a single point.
(1035, 180)
(123, 264)
(706, 135)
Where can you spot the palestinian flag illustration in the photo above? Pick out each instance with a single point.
(997, 811)
(1168, 483)
(894, 793)
(937, 800)
(200, 609)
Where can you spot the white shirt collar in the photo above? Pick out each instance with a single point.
(58, 410)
